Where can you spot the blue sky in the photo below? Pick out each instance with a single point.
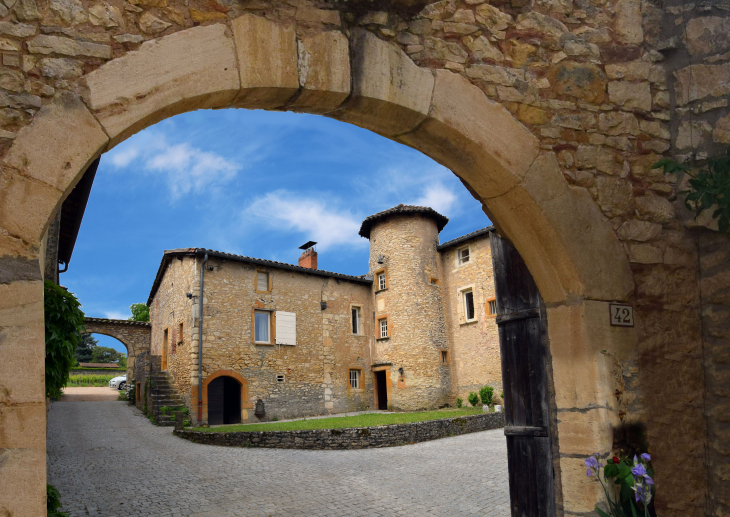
(254, 183)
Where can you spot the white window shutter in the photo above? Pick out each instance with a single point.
(286, 328)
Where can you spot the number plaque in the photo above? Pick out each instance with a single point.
(621, 315)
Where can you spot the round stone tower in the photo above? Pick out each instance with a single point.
(410, 342)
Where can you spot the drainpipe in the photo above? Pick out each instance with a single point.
(200, 342)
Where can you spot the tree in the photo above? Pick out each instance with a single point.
(85, 348)
(64, 322)
(122, 360)
(104, 354)
(140, 312)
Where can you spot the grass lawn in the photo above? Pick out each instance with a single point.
(368, 420)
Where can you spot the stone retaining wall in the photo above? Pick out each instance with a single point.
(354, 438)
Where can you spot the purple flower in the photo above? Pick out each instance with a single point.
(589, 472)
(645, 457)
(591, 462)
(648, 480)
(639, 470)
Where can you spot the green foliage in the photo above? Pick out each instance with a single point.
(709, 187)
(473, 398)
(64, 326)
(84, 349)
(486, 393)
(76, 381)
(122, 361)
(53, 502)
(104, 354)
(459, 402)
(174, 409)
(275, 419)
(140, 312)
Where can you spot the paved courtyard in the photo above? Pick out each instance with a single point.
(108, 460)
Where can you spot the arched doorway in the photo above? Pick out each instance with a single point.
(225, 398)
(568, 245)
(224, 401)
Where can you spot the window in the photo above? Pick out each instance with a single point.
(262, 282)
(468, 296)
(462, 256)
(180, 335)
(444, 356)
(434, 281)
(383, 324)
(262, 323)
(381, 281)
(491, 307)
(355, 379)
(356, 321)
(286, 328)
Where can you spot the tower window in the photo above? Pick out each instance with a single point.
(381, 281)
(355, 379)
(383, 326)
(356, 321)
(462, 256)
(468, 304)
(491, 307)
(444, 356)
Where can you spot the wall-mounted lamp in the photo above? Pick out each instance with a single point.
(400, 371)
(323, 305)
(381, 259)
(189, 295)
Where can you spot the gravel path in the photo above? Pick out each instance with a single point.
(108, 460)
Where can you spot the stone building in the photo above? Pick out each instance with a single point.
(415, 332)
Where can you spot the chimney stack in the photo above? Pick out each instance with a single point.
(308, 258)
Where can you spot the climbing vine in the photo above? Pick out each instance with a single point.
(709, 188)
(64, 326)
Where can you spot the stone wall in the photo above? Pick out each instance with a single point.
(475, 345)
(354, 438)
(414, 309)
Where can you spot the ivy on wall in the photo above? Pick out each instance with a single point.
(64, 327)
(709, 187)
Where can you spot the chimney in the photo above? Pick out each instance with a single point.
(308, 258)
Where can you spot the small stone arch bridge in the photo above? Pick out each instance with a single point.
(135, 335)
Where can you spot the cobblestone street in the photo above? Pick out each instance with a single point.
(108, 460)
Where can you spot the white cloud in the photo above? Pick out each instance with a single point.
(117, 315)
(438, 197)
(327, 226)
(185, 167)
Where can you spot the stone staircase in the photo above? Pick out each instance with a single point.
(163, 394)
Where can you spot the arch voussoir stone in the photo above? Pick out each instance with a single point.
(189, 70)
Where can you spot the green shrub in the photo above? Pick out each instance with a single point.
(473, 398)
(459, 402)
(53, 502)
(486, 393)
(132, 394)
(64, 323)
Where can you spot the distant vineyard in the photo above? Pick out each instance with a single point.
(89, 380)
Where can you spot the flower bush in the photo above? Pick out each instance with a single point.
(630, 481)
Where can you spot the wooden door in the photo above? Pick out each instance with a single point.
(216, 395)
(165, 345)
(526, 380)
(382, 390)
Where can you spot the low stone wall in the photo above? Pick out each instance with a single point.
(354, 438)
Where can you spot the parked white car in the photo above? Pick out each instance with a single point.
(118, 382)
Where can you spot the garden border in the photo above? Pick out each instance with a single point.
(351, 438)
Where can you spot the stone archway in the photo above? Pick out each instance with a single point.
(135, 335)
(255, 63)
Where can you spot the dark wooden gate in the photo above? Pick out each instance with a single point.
(526, 377)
